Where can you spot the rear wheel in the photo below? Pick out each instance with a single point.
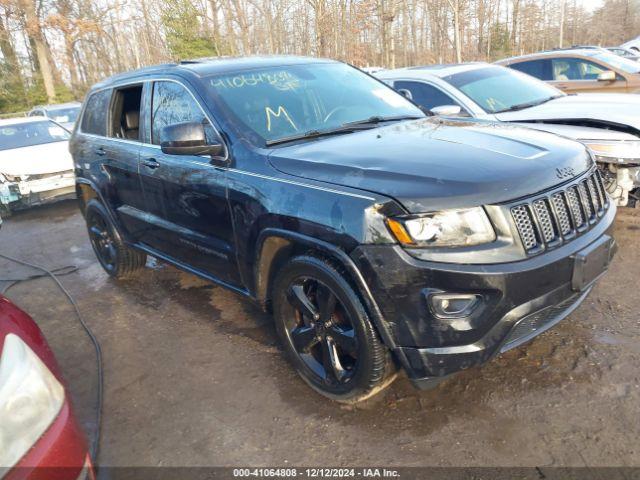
(117, 259)
(327, 333)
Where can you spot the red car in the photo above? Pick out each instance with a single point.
(39, 435)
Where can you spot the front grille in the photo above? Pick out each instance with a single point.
(538, 322)
(549, 220)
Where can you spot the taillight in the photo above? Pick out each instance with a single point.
(30, 399)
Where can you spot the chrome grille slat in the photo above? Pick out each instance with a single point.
(544, 220)
(593, 194)
(586, 200)
(562, 213)
(524, 224)
(602, 191)
(547, 221)
(574, 205)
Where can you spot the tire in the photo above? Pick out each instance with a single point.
(117, 259)
(326, 332)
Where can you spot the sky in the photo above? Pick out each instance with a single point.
(591, 4)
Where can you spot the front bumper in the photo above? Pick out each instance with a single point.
(37, 191)
(519, 300)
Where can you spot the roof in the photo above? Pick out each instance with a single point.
(585, 52)
(212, 66)
(53, 106)
(441, 70)
(14, 121)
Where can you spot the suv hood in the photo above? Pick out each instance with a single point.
(434, 164)
(611, 108)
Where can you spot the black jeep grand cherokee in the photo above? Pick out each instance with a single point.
(378, 236)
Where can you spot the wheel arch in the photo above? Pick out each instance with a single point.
(276, 246)
(86, 191)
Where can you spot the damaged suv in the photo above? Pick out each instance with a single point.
(378, 237)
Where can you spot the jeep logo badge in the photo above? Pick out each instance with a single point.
(565, 172)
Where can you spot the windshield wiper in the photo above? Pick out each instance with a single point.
(378, 119)
(316, 134)
(344, 128)
(522, 106)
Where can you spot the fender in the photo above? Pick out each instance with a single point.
(346, 262)
(107, 207)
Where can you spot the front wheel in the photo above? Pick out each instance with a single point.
(326, 332)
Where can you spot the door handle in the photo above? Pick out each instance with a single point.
(100, 152)
(151, 163)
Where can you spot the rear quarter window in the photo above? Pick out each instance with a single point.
(94, 119)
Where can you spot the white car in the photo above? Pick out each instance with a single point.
(35, 164)
(609, 124)
(632, 45)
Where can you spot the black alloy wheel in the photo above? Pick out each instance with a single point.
(326, 332)
(117, 258)
(102, 242)
(321, 331)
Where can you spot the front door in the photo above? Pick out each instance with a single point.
(188, 214)
(578, 75)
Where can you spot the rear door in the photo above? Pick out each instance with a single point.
(186, 196)
(539, 68)
(112, 164)
(120, 152)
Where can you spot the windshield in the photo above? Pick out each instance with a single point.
(621, 63)
(286, 101)
(64, 115)
(497, 89)
(32, 133)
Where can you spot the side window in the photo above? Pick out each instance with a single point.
(94, 119)
(425, 95)
(125, 113)
(172, 103)
(575, 69)
(540, 69)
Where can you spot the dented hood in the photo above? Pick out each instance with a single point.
(36, 159)
(610, 108)
(433, 164)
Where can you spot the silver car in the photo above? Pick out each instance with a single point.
(65, 114)
(609, 124)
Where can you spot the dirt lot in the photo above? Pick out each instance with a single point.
(194, 375)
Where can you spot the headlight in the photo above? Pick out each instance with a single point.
(30, 399)
(449, 228)
(614, 152)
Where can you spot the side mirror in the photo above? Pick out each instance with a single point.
(188, 139)
(607, 76)
(447, 110)
(405, 93)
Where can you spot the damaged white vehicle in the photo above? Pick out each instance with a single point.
(35, 164)
(609, 124)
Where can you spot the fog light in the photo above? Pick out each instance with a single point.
(453, 305)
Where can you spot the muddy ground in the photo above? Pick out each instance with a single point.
(194, 374)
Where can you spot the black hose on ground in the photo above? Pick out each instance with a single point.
(54, 274)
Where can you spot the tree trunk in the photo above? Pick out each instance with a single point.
(561, 36)
(42, 54)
